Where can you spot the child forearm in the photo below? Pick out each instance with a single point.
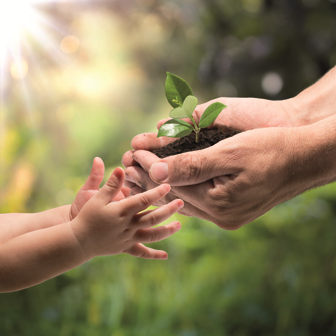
(37, 247)
(16, 224)
(37, 256)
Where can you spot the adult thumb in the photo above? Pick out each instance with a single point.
(112, 187)
(188, 168)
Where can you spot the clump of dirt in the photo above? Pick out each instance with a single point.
(206, 138)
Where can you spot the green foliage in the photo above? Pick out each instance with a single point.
(184, 108)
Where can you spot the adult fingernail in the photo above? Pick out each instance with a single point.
(129, 178)
(159, 171)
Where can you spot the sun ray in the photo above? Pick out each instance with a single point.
(25, 27)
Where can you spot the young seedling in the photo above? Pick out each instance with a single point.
(181, 98)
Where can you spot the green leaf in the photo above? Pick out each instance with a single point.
(210, 114)
(175, 128)
(178, 113)
(189, 105)
(177, 90)
(186, 110)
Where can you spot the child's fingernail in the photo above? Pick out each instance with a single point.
(180, 204)
(159, 171)
(178, 226)
(164, 257)
(167, 187)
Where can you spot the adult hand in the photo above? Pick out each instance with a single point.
(240, 178)
(242, 114)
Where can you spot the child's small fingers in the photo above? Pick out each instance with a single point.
(157, 216)
(142, 201)
(96, 175)
(142, 251)
(123, 193)
(126, 191)
(157, 204)
(112, 187)
(156, 234)
(118, 197)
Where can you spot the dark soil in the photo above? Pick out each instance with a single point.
(206, 138)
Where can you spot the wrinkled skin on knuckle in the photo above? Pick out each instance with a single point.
(143, 255)
(221, 197)
(144, 201)
(153, 220)
(190, 166)
(112, 184)
(154, 238)
(218, 197)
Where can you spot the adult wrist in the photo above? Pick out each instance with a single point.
(314, 162)
(315, 103)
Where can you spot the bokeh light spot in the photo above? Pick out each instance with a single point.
(252, 6)
(69, 44)
(272, 83)
(226, 89)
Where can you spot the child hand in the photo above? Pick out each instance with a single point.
(91, 187)
(103, 227)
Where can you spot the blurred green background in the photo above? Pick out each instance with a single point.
(96, 81)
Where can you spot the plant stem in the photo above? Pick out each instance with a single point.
(197, 131)
(196, 128)
(194, 122)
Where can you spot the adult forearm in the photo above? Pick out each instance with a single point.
(324, 132)
(16, 224)
(314, 161)
(38, 256)
(316, 103)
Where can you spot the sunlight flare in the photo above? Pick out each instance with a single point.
(15, 17)
(20, 20)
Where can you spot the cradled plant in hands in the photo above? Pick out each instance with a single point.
(181, 98)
